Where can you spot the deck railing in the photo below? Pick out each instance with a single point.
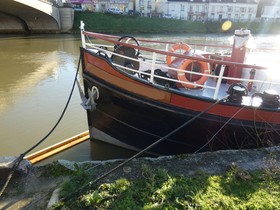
(153, 59)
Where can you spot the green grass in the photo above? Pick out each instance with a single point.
(111, 23)
(158, 189)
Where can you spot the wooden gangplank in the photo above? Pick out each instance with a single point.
(56, 148)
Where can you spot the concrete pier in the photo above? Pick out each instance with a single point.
(35, 16)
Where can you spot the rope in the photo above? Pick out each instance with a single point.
(20, 158)
(144, 150)
(239, 110)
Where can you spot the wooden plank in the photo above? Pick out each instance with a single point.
(56, 148)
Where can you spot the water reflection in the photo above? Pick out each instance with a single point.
(17, 84)
(37, 73)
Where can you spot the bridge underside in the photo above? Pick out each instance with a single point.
(19, 18)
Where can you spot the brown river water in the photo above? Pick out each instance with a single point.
(36, 76)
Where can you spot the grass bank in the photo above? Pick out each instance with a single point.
(232, 179)
(237, 179)
(110, 23)
(158, 189)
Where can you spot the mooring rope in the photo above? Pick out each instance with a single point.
(239, 110)
(20, 158)
(144, 150)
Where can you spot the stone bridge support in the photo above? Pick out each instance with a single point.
(34, 16)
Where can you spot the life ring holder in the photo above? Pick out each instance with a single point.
(205, 69)
(174, 48)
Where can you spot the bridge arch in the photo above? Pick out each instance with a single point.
(34, 16)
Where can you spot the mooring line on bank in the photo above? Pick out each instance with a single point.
(149, 147)
(21, 157)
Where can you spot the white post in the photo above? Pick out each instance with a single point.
(219, 81)
(82, 28)
(166, 47)
(153, 68)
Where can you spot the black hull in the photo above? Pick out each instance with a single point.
(139, 122)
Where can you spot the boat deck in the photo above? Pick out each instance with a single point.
(145, 64)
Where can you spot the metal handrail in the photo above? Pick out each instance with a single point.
(154, 63)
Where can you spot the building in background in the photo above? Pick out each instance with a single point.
(83, 5)
(193, 10)
(215, 10)
(235, 10)
(269, 10)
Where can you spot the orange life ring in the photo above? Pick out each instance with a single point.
(204, 69)
(175, 47)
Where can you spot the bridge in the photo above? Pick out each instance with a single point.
(35, 16)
